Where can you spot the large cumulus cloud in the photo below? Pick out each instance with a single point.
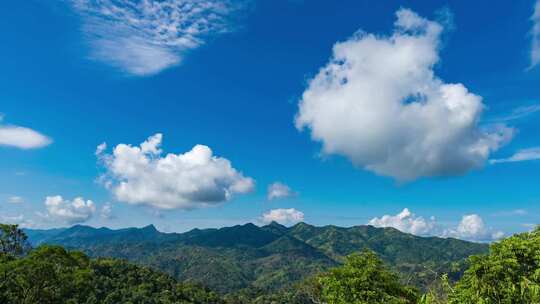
(379, 103)
(197, 178)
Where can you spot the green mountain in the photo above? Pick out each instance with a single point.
(267, 258)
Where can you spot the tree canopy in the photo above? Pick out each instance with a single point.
(13, 241)
(51, 274)
(364, 279)
(509, 274)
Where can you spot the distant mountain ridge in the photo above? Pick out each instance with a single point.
(268, 257)
(87, 234)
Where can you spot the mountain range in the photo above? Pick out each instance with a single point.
(267, 258)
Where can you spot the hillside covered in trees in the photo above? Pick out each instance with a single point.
(508, 273)
(51, 274)
(268, 258)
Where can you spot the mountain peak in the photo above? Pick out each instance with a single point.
(150, 228)
(275, 224)
(302, 225)
(275, 228)
(249, 225)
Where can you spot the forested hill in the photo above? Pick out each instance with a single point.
(265, 258)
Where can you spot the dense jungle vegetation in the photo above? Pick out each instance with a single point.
(508, 273)
(248, 258)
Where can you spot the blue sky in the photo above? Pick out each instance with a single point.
(241, 79)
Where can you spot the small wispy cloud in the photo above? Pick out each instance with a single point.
(515, 212)
(519, 156)
(106, 211)
(535, 33)
(529, 226)
(519, 112)
(145, 37)
(18, 220)
(14, 199)
(279, 190)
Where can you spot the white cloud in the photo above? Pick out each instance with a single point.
(519, 212)
(106, 211)
(76, 211)
(407, 222)
(146, 37)
(521, 155)
(14, 219)
(472, 228)
(21, 137)
(197, 178)
(100, 149)
(17, 220)
(529, 226)
(283, 216)
(279, 190)
(520, 112)
(515, 212)
(15, 199)
(379, 103)
(535, 33)
(156, 213)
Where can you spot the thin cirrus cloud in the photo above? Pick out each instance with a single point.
(471, 227)
(141, 175)
(17, 220)
(12, 219)
(21, 137)
(279, 190)
(379, 103)
(521, 155)
(283, 216)
(518, 113)
(535, 35)
(145, 37)
(15, 199)
(515, 212)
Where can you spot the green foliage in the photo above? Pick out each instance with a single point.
(364, 279)
(256, 268)
(438, 292)
(50, 275)
(117, 281)
(509, 274)
(305, 292)
(47, 275)
(263, 260)
(13, 241)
